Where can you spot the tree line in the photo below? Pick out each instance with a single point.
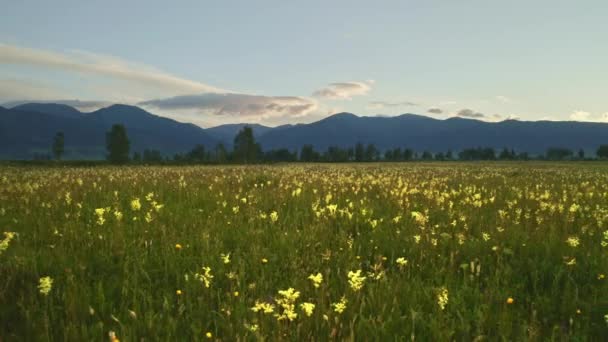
(247, 151)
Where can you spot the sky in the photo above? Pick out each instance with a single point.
(278, 62)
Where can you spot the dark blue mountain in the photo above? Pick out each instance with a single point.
(28, 130)
(424, 133)
(50, 108)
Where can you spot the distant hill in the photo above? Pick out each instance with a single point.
(29, 129)
(424, 133)
(49, 108)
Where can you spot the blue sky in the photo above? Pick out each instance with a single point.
(276, 62)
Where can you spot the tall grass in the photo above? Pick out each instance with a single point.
(518, 250)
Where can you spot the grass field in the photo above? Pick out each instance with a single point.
(445, 251)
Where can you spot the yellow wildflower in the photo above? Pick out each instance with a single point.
(356, 280)
(308, 308)
(316, 279)
(45, 285)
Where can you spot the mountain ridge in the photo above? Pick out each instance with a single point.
(29, 128)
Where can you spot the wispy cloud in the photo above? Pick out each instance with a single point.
(388, 104)
(242, 105)
(344, 90)
(434, 110)
(469, 113)
(102, 65)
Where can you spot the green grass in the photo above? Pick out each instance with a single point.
(486, 232)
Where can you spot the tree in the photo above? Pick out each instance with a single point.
(581, 154)
(246, 150)
(136, 157)
(308, 154)
(602, 151)
(221, 155)
(371, 153)
(58, 145)
(152, 156)
(197, 154)
(117, 144)
(359, 152)
(558, 153)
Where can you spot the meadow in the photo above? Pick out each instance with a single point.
(407, 251)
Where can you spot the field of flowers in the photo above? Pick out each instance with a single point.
(446, 251)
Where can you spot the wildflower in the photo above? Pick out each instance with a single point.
(356, 280)
(573, 241)
(225, 258)
(510, 300)
(209, 335)
(274, 216)
(402, 262)
(340, 306)
(206, 277)
(308, 308)
(235, 293)
(417, 238)
(442, 298)
(264, 260)
(100, 219)
(135, 204)
(45, 284)
(113, 337)
(485, 236)
(178, 246)
(251, 327)
(148, 217)
(117, 215)
(8, 236)
(600, 276)
(178, 292)
(287, 302)
(263, 307)
(316, 279)
(571, 262)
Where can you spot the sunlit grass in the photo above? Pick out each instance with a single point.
(305, 252)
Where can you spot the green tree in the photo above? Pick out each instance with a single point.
(197, 154)
(308, 154)
(246, 150)
(602, 151)
(359, 152)
(117, 144)
(58, 145)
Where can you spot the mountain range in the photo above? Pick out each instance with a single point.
(28, 129)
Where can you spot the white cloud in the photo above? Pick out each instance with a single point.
(240, 105)
(101, 65)
(434, 110)
(344, 90)
(580, 115)
(502, 98)
(388, 104)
